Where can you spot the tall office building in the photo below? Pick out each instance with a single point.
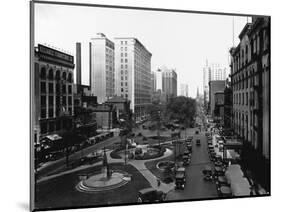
(78, 63)
(211, 72)
(102, 69)
(215, 72)
(169, 82)
(184, 90)
(133, 74)
(214, 87)
(153, 81)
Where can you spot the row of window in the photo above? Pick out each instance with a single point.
(125, 48)
(258, 42)
(124, 42)
(241, 99)
(51, 126)
(52, 114)
(58, 88)
(58, 76)
(43, 100)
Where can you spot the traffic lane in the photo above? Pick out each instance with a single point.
(74, 156)
(196, 187)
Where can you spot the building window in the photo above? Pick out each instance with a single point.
(64, 100)
(43, 73)
(43, 113)
(64, 89)
(43, 101)
(121, 42)
(126, 43)
(122, 90)
(58, 75)
(57, 88)
(69, 78)
(126, 60)
(51, 88)
(51, 74)
(69, 100)
(69, 89)
(51, 112)
(43, 87)
(51, 101)
(64, 75)
(247, 98)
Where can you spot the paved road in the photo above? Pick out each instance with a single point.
(196, 187)
(54, 165)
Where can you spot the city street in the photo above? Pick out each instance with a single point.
(58, 164)
(196, 187)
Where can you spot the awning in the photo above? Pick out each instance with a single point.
(53, 137)
(234, 174)
(241, 187)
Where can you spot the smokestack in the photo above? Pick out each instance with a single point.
(78, 63)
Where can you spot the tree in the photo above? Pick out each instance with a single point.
(155, 111)
(182, 109)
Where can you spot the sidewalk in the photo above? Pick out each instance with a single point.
(140, 166)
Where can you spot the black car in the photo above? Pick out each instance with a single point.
(180, 178)
(150, 195)
(198, 143)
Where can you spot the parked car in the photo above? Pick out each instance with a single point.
(198, 142)
(180, 178)
(186, 160)
(150, 195)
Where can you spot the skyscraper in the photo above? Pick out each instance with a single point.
(78, 63)
(184, 90)
(153, 81)
(169, 82)
(133, 74)
(211, 72)
(102, 67)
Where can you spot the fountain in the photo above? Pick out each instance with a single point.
(106, 180)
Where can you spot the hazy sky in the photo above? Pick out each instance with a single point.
(177, 40)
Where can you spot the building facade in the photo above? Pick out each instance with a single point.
(153, 82)
(53, 91)
(219, 107)
(227, 117)
(214, 86)
(169, 82)
(250, 82)
(211, 72)
(133, 74)
(184, 90)
(102, 68)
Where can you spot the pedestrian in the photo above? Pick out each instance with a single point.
(158, 182)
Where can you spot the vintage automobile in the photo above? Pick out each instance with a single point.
(186, 160)
(147, 195)
(180, 178)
